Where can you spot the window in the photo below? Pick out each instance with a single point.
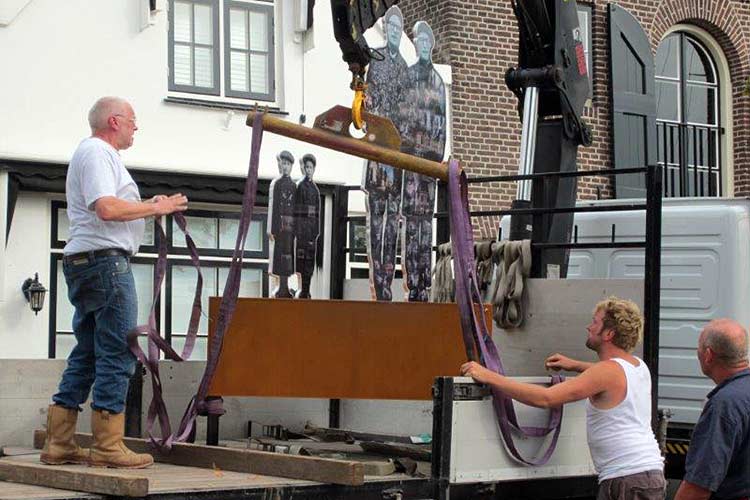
(357, 251)
(584, 21)
(215, 236)
(688, 120)
(61, 340)
(213, 232)
(242, 64)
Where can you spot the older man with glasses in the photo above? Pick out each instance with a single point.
(106, 228)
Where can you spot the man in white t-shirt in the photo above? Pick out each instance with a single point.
(106, 228)
(618, 407)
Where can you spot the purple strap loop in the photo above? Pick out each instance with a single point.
(211, 406)
(156, 343)
(473, 324)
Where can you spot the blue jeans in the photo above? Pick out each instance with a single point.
(102, 290)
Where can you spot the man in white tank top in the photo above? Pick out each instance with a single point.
(618, 408)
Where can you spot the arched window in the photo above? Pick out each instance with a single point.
(688, 119)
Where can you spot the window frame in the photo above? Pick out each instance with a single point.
(215, 90)
(57, 243)
(221, 92)
(667, 127)
(261, 217)
(55, 266)
(214, 265)
(148, 254)
(589, 45)
(271, 80)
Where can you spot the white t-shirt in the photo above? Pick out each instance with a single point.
(96, 170)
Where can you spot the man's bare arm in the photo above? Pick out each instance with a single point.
(690, 491)
(559, 362)
(111, 208)
(593, 381)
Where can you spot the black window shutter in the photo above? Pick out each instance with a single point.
(633, 100)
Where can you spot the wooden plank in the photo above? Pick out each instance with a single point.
(414, 451)
(322, 470)
(16, 491)
(76, 478)
(348, 435)
(337, 348)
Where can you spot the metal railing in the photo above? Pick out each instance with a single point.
(651, 244)
(691, 159)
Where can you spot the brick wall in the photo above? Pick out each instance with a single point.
(479, 38)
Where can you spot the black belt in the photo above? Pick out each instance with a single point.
(93, 254)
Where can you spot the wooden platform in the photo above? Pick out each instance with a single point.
(166, 481)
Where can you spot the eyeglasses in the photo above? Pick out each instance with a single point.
(132, 120)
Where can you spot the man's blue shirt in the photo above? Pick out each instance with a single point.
(719, 455)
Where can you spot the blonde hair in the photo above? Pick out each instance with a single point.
(624, 318)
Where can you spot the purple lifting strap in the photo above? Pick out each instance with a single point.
(198, 404)
(474, 327)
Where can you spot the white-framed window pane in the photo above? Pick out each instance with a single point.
(238, 29)
(667, 100)
(183, 25)
(259, 31)
(698, 63)
(251, 282)
(183, 289)
(148, 233)
(259, 73)
(700, 104)
(63, 308)
(228, 235)
(63, 225)
(143, 274)
(668, 57)
(238, 71)
(143, 343)
(204, 25)
(200, 349)
(201, 229)
(583, 23)
(64, 343)
(183, 65)
(204, 67)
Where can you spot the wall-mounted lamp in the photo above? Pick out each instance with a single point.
(34, 293)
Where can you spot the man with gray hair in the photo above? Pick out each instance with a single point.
(106, 228)
(717, 465)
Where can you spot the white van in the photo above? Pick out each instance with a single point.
(705, 274)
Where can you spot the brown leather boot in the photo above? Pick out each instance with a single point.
(60, 446)
(108, 449)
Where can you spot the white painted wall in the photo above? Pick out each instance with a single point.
(23, 334)
(57, 58)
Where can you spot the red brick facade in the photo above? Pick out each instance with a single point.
(479, 38)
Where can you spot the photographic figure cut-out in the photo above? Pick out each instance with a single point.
(382, 183)
(306, 224)
(423, 134)
(281, 225)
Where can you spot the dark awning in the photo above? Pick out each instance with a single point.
(50, 178)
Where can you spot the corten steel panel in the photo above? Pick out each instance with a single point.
(337, 348)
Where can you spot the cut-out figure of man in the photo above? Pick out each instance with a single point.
(306, 224)
(281, 224)
(423, 135)
(382, 183)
